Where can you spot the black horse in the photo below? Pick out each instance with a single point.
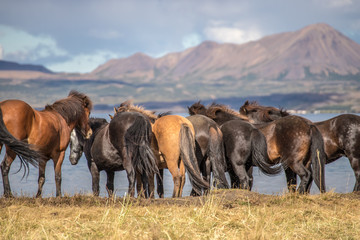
(245, 146)
(209, 150)
(341, 136)
(295, 142)
(122, 144)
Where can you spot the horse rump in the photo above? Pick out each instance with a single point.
(25, 151)
(259, 154)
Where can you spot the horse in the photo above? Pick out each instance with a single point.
(174, 147)
(295, 142)
(245, 146)
(209, 150)
(122, 144)
(47, 130)
(341, 136)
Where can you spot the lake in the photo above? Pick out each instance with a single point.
(77, 179)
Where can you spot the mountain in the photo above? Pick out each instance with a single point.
(13, 66)
(316, 51)
(314, 68)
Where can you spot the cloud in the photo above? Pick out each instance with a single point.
(231, 34)
(191, 40)
(21, 46)
(108, 34)
(83, 63)
(1, 52)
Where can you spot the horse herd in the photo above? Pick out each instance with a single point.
(213, 140)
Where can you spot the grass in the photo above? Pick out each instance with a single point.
(227, 214)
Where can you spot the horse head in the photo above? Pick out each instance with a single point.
(82, 123)
(197, 108)
(261, 114)
(76, 146)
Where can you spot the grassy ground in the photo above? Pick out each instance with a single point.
(227, 214)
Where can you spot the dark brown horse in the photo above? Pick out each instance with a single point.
(341, 136)
(244, 145)
(174, 147)
(122, 144)
(47, 130)
(209, 150)
(295, 142)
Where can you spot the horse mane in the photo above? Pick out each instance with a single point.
(266, 113)
(128, 106)
(214, 107)
(72, 107)
(196, 108)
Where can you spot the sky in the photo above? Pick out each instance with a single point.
(78, 36)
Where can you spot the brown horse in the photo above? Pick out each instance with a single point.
(341, 136)
(295, 142)
(174, 147)
(47, 130)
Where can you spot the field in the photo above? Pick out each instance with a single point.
(225, 214)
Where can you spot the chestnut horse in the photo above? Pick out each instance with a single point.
(245, 146)
(47, 130)
(174, 147)
(295, 142)
(341, 136)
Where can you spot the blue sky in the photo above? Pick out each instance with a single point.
(78, 36)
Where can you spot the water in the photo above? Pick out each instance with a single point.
(77, 179)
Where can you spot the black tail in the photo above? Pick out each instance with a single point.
(217, 158)
(25, 151)
(138, 138)
(259, 154)
(187, 153)
(318, 158)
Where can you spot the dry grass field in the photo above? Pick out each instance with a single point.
(225, 214)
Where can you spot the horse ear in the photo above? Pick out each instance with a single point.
(115, 110)
(111, 117)
(246, 103)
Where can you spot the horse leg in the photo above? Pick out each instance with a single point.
(174, 170)
(5, 168)
(110, 182)
(95, 177)
(235, 182)
(131, 175)
(355, 164)
(41, 179)
(239, 167)
(291, 180)
(182, 177)
(57, 165)
(304, 174)
(160, 183)
(249, 171)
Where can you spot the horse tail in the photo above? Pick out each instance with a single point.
(217, 158)
(138, 138)
(25, 151)
(187, 154)
(259, 154)
(318, 158)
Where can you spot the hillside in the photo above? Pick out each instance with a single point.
(314, 68)
(317, 50)
(12, 66)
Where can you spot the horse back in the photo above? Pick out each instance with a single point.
(167, 133)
